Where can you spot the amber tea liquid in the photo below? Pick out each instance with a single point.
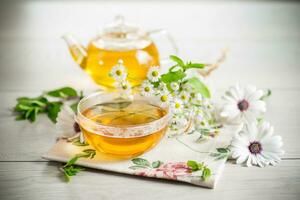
(123, 115)
(100, 61)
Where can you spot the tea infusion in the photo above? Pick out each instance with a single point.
(122, 114)
(100, 61)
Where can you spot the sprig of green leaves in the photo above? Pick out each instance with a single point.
(28, 108)
(70, 169)
(195, 166)
(177, 73)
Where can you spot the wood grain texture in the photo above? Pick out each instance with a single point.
(263, 39)
(42, 180)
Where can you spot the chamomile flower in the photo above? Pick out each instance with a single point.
(177, 105)
(119, 72)
(174, 86)
(165, 98)
(243, 104)
(256, 145)
(124, 87)
(162, 88)
(153, 74)
(147, 89)
(184, 96)
(67, 126)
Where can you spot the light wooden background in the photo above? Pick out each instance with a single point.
(264, 42)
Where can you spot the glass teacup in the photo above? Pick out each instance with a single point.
(120, 127)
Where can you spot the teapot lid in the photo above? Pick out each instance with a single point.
(121, 36)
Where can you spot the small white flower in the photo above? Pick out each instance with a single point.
(256, 145)
(243, 104)
(165, 98)
(184, 96)
(174, 86)
(162, 88)
(124, 87)
(147, 89)
(67, 126)
(119, 72)
(153, 74)
(177, 105)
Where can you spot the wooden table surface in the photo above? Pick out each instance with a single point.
(264, 43)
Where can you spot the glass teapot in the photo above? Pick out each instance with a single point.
(118, 41)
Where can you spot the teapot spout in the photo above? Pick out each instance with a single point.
(77, 51)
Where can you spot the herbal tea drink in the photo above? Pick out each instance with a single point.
(120, 127)
(119, 41)
(136, 60)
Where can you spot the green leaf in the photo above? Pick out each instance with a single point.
(266, 95)
(177, 60)
(194, 65)
(70, 171)
(78, 143)
(172, 76)
(223, 150)
(53, 109)
(90, 153)
(141, 162)
(199, 86)
(72, 161)
(156, 164)
(206, 173)
(64, 92)
(193, 165)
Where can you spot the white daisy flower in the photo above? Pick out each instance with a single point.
(119, 72)
(165, 98)
(67, 126)
(256, 145)
(153, 74)
(147, 88)
(184, 96)
(243, 104)
(162, 88)
(177, 105)
(174, 86)
(124, 87)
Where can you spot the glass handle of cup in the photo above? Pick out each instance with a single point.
(170, 39)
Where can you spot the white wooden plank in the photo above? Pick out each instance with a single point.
(41, 180)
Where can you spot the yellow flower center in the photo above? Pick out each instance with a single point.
(177, 105)
(164, 98)
(147, 89)
(183, 97)
(154, 73)
(124, 87)
(118, 72)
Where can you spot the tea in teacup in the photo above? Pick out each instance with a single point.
(124, 128)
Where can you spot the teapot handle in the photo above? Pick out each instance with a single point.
(170, 39)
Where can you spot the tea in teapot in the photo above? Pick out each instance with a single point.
(117, 41)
